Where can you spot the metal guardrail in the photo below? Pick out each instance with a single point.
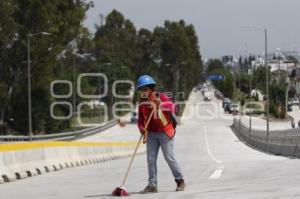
(65, 136)
(278, 142)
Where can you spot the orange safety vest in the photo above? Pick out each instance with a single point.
(164, 120)
(167, 126)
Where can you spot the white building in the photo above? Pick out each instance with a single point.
(281, 65)
(274, 64)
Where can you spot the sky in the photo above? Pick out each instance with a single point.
(221, 25)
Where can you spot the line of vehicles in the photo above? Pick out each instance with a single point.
(254, 107)
(232, 107)
(229, 106)
(291, 102)
(207, 93)
(251, 107)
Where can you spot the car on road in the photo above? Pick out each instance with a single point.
(208, 95)
(289, 106)
(295, 101)
(254, 108)
(134, 117)
(234, 108)
(226, 101)
(207, 98)
(219, 95)
(204, 89)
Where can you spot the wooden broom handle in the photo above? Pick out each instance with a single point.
(136, 148)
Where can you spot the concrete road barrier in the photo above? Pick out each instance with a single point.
(22, 160)
(279, 142)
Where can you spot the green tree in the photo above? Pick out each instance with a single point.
(8, 73)
(116, 44)
(64, 20)
(259, 79)
(169, 53)
(179, 51)
(216, 67)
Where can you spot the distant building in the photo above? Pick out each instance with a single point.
(274, 64)
(296, 82)
(258, 62)
(278, 60)
(227, 60)
(281, 65)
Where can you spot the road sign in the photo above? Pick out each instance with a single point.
(216, 78)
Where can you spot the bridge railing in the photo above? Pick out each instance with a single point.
(279, 142)
(64, 136)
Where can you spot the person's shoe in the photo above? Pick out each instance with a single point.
(149, 189)
(180, 185)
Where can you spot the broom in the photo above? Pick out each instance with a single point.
(121, 191)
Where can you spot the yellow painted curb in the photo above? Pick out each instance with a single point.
(36, 145)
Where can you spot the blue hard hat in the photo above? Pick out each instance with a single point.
(144, 81)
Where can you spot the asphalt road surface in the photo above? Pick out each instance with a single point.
(214, 162)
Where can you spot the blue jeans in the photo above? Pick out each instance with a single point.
(154, 142)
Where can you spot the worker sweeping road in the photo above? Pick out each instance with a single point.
(160, 132)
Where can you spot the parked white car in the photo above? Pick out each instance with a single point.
(134, 117)
(234, 108)
(295, 101)
(254, 108)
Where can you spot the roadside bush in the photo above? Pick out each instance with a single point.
(282, 112)
(274, 109)
(3, 129)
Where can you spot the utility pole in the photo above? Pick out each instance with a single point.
(239, 66)
(287, 90)
(250, 116)
(102, 19)
(267, 71)
(278, 70)
(29, 35)
(267, 75)
(29, 87)
(177, 75)
(74, 95)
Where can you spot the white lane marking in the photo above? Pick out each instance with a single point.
(208, 148)
(218, 172)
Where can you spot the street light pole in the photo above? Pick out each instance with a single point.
(240, 99)
(175, 69)
(267, 71)
(29, 80)
(176, 74)
(250, 116)
(102, 19)
(286, 93)
(267, 77)
(29, 87)
(99, 85)
(74, 94)
(279, 70)
(82, 56)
